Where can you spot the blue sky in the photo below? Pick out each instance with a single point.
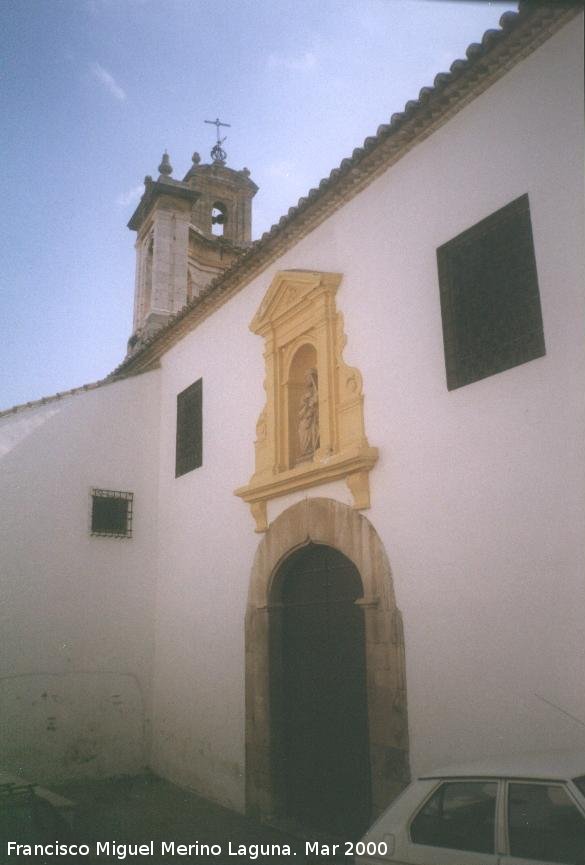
(93, 91)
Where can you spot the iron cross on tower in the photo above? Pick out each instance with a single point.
(218, 154)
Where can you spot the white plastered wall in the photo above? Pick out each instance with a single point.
(478, 493)
(77, 612)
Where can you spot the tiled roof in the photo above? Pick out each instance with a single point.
(36, 403)
(520, 33)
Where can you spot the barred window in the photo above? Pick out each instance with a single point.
(111, 513)
(490, 302)
(189, 448)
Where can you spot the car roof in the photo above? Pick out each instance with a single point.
(556, 765)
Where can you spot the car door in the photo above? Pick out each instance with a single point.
(456, 825)
(545, 824)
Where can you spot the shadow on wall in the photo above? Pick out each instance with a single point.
(17, 428)
(72, 725)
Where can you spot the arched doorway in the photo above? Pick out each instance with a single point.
(319, 691)
(332, 524)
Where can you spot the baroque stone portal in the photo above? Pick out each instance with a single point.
(323, 521)
(312, 428)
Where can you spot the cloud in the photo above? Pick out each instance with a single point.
(108, 81)
(302, 63)
(131, 196)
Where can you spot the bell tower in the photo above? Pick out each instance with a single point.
(188, 232)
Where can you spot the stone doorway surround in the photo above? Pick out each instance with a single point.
(325, 521)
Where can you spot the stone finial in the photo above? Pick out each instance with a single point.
(195, 159)
(246, 172)
(165, 167)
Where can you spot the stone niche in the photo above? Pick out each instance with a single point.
(311, 429)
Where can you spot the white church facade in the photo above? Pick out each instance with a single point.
(323, 527)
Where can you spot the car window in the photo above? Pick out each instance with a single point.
(459, 815)
(544, 823)
(580, 782)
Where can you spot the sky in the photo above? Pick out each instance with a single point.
(93, 91)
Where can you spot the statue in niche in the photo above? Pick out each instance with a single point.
(309, 416)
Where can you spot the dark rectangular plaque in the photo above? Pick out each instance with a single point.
(189, 448)
(490, 302)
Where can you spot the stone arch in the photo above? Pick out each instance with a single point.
(324, 521)
(219, 218)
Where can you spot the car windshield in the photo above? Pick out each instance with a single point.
(580, 782)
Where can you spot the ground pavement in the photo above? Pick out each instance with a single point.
(147, 810)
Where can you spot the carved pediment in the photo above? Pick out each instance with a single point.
(288, 289)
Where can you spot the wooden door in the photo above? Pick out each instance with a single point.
(326, 748)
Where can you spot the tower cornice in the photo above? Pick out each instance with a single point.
(153, 190)
(228, 176)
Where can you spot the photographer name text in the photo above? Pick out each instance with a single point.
(123, 851)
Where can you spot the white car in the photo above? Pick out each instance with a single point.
(522, 810)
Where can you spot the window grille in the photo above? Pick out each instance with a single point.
(189, 446)
(111, 513)
(490, 302)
